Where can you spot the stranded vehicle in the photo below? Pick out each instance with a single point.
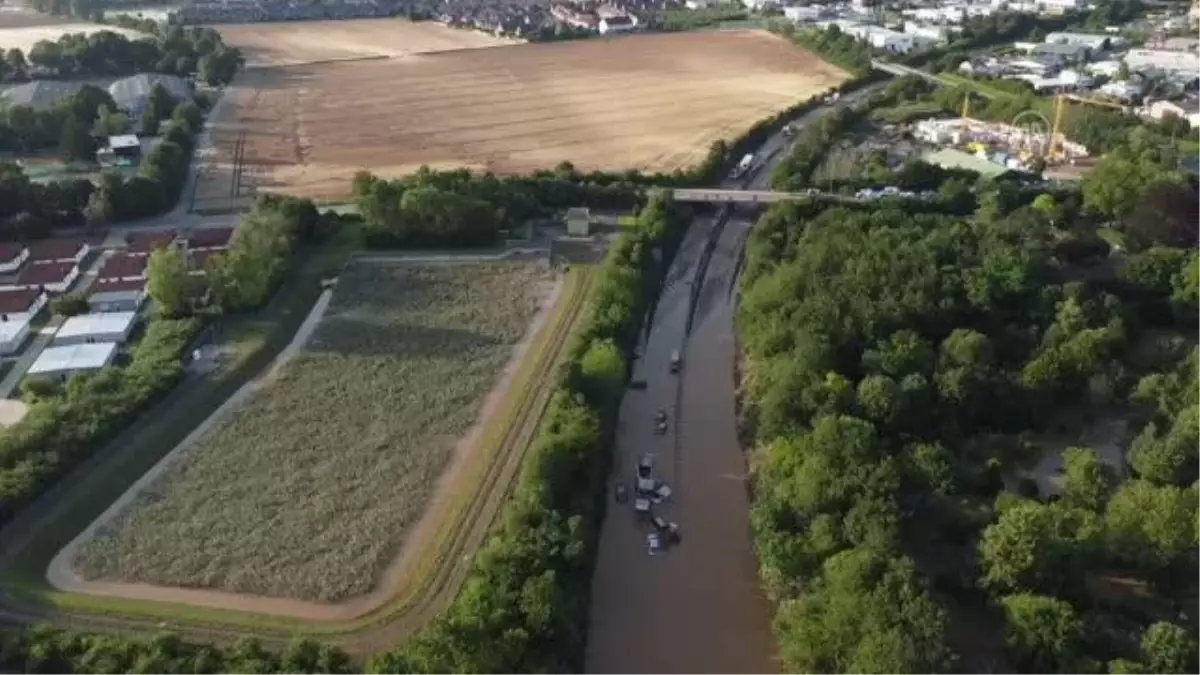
(653, 544)
(621, 494)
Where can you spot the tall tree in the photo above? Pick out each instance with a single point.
(167, 281)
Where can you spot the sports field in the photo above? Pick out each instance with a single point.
(313, 486)
(651, 102)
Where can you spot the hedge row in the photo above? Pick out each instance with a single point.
(524, 606)
(67, 421)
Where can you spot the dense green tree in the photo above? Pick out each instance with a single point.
(1088, 482)
(1043, 634)
(1038, 547)
(1154, 529)
(167, 281)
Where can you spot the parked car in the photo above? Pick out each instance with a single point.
(645, 465)
(653, 544)
(641, 506)
(621, 493)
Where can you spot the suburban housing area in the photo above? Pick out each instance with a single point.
(625, 336)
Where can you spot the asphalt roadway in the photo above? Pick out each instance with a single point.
(697, 606)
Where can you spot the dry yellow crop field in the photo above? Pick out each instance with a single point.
(650, 102)
(296, 42)
(20, 34)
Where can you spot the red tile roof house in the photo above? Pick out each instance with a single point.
(212, 239)
(124, 267)
(21, 303)
(12, 256)
(53, 277)
(142, 243)
(49, 251)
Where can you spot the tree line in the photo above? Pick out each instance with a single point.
(902, 367)
(524, 606)
(31, 210)
(174, 50)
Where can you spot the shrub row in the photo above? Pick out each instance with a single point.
(524, 606)
(67, 421)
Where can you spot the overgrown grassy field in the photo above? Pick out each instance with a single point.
(309, 490)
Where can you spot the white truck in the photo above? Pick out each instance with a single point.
(743, 166)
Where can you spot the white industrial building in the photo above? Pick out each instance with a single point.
(930, 33)
(617, 24)
(1186, 110)
(13, 333)
(112, 327)
(880, 37)
(1162, 59)
(1093, 41)
(803, 14)
(61, 362)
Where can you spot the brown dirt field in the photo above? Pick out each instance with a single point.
(23, 17)
(297, 42)
(21, 28)
(652, 102)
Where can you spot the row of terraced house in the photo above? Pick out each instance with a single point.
(40, 270)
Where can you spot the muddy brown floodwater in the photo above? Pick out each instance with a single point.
(696, 607)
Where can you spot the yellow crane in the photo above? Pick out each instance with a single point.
(1060, 105)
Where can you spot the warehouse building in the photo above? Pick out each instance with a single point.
(124, 267)
(58, 251)
(21, 302)
(117, 300)
(55, 277)
(12, 256)
(41, 95)
(132, 93)
(62, 362)
(113, 327)
(143, 243)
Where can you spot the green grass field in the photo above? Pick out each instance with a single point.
(309, 489)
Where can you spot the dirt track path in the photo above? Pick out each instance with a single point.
(62, 576)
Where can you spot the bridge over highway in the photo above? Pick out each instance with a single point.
(723, 196)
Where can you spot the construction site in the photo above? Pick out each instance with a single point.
(1029, 142)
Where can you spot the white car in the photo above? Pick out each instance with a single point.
(653, 545)
(641, 506)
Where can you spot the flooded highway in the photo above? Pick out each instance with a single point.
(696, 606)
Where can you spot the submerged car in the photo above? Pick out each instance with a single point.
(621, 493)
(653, 544)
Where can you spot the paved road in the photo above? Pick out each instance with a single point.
(697, 607)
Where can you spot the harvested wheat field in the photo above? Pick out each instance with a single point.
(308, 491)
(296, 42)
(22, 28)
(653, 102)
